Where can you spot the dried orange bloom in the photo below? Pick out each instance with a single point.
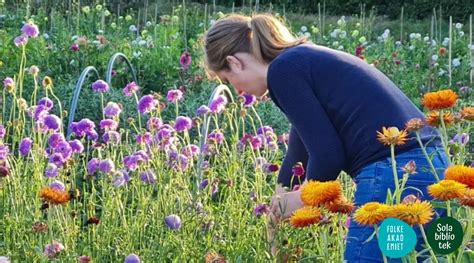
(371, 213)
(467, 113)
(460, 173)
(54, 196)
(432, 118)
(316, 193)
(414, 124)
(443, 99)
(413, 213)
(446, 190)
(340, 205)
(214, 257)
(392, 136)
(468, 198)
(305, 216)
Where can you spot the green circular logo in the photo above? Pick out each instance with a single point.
(445, 235)
(396, 238)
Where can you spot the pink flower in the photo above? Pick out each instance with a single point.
(185, 60)
(174, 95)
(298, 169)
(30, 30)
(52, 250)
(74, 47)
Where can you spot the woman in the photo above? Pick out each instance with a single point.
(335, 103)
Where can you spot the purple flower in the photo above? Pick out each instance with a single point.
(112, 110)
(57, 159)
(130, 89)
(74, 47)
(111, 137)
(260, 163)
(30, 30)
(190, 150)
(462, 139)
(52, 122)
(144, 138)
(204, 183)
(154, 123)
(142, 154)
(121, 178)
(256, 142)
(132, 258)
(92, 135)
(20, 40)
(249, 99)
(131, 162)
(40, 111)
(83, 127)
(58, 185)
(4, 151)
(216, 137)
(173, 222)
(64, 149)
(183, 123)
(298, 169)
(264, 130)
(8, 83)
(185, 60)
(203, 109)
(52, 250)
(47, 103)
(100, 86)
(3, 131)
(76, 146)
(106, 166)
(146, 104)
(148, 177)
(51, 170)
(218, 104)
(108, 124)
(174, 95)
(25, 146)
(93, 166)
(54, 139)
(261, 209)
(164, 132)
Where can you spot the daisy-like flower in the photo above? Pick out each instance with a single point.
(468, 198)
(54, 196)
(305, 216)
(371, 213)
(467, 113)
(340, 205)
(443, 99)
(414, 124)
(316, 193)
(416, 213)
(460, 173)
(432, 118)
(392, 136)
(446, 190)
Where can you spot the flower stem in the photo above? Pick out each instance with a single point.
(397, 193)
(444, 140)
(433, 169)
(433, 256)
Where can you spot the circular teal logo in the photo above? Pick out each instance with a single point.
(396, 238)
(445, 235)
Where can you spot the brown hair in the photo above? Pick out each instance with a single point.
(262, 35)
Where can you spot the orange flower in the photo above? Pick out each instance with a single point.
(414, 124)
(316, 193)
(442, 51)
(467, 113)
(413, 213)
(214, 257)
(432, 118)
(371, 213)
(392, 136)
(468, 198)
(443, 99)
(305, 216)
(461, 174)
(54, 196)
(446, 190)
(340, 205)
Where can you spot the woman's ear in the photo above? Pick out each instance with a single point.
(234, 63)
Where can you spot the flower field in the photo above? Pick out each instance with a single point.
(151, 168)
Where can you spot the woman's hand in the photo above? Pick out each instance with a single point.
(284, 204)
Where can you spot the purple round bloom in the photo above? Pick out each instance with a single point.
(106, 166)
(249, 99)
(132, 258)
(64, 149)
(173, 222)
(20, 40)
(148, 177)
(216, 137)
(146, 104)
(4, 151)
(54, 139)
(121, 178)
(92, 135)
(25, 146)
(52, 250)
(58, 185)
(256, 142)
(51, 170)
(74, 47)
(46, 102)
(154, 123)
(3, 131)
(203, 109)
(174, 95)
(204, 183)
(260, 162)
(52, 122)
(261, 209)
(93, 166)
(40, 111)
(264, 130)
(112, 110)
(183, 123)
(111, 137)
(164, 132)
(57, 159)
(85, 125)
(30, 30)
(218, 104)
(8, 83)
(100, 86)
(131, 162)
(185, 60)
(76, 146)
(190, 150)
(108, 124)
(143, 155)
(130, 89)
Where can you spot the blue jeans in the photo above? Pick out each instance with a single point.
(372, 183)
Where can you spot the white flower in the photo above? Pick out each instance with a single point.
(341, 47)
(137, 54)
(441, 72)
(132, 28)
(4, 260)
(355, 33)
(113, 25)
(417, 35)
(362, 40)
(385, 35)
(342, 21)
(335, 44)
(412, 35)
(46, 36)
(304, 29)
(343, 34)
(100, 31)
(398, 43)
(141, 42)
(379, 38)
(435, 64)
(461, 33)
(149, 23)
(335, 33)
(458, 25)
(434, 57)
(106, 13)
(433, 42)
(456, 62)
(426, 39)
(411, 47)
(446, 41)
(201, 24)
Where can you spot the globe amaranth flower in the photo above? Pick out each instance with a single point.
(154, 123)
(100, 86)
(74, 47)
(64, 149)
(54, 139)
(30, 30)
(93, 166)
(173, 222)
(46, 102)
(112, 110)
(76, 146)
(52, 122)
(58, 185)
(148, 177)
(111, 137)
(132, 258)
(183, 123)
(174, 95)
(108, 124)
(57, 159)
(130, 89)
(261, 209)
(51, 170)
(146, 104)
(25, 146)
(248, 99)
(202, 110)
(106, 166)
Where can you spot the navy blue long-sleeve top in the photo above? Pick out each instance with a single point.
(335, 103)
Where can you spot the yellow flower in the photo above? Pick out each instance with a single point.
(340, 205)
(305, 216)
(438, 100)
(446, 190)
(54, 196)
(392, 136)
(371, 213)
(467, 113)
(316, 193)
(461, 174)
(414, 213)
(468, 198)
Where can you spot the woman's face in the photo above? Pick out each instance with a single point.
(245, 74)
